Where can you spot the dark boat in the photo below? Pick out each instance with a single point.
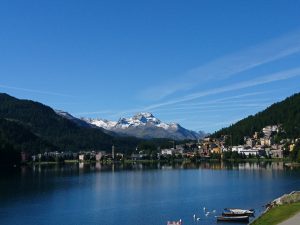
(233, 218)
(237, 214)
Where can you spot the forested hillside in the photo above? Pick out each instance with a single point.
(34, 127)
(286, 113)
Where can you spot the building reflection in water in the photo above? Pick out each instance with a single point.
(98, 166)
(81, 165)
(82, 168)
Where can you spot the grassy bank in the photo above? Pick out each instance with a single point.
(278, 214)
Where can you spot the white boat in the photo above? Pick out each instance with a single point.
(239, 211)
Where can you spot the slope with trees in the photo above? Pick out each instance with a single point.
(286, 113)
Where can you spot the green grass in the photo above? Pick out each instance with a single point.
(278, 214)
(71, 161)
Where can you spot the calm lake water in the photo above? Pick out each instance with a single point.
(137, 194)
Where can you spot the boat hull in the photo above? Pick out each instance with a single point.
(233, 218)
(236, 214)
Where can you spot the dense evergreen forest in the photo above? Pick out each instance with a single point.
(33, 127)
(286, 113)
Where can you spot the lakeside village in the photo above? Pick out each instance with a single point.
(263, 144)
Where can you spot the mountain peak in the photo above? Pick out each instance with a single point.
(145, 125)
(144, 114)
(144, 118)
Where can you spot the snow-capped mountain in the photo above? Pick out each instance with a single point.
(145, 125)
(140, 119)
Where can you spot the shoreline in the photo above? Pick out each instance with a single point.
(280, 209)
(286, 162)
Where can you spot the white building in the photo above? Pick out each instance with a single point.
(246, 151)
(249, 151)
(81, 157)
(171, 151)
(237, 148)
(269, 129)
(167, 151)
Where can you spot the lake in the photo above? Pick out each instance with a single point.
(138, 194)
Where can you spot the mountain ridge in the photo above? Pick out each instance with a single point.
(286, 113)
(63, 134)
(146, 125)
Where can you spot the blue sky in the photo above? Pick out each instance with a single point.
(204, 64)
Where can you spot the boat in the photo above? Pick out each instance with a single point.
(233, 218)
(175, 222)
(234, 214)
(238, 212)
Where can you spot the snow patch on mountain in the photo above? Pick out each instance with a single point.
(140, 119)
(106, 124)
(145, 125)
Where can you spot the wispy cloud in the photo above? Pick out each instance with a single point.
(92, 113)
(217, 102)
(283, 75)
(219, 107)
(230, 65)
(181, 108)
(34, 91)
(191, 111)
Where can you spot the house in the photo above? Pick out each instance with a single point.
(215, 149)
(181, 147)
(171, 151)
(268, 130)
(250, 142)
(266, 141)
(248, 152)
(224, 149)
(276, 153)
(167, 151)
(81, 157)
(237, 148)
(204, 149)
